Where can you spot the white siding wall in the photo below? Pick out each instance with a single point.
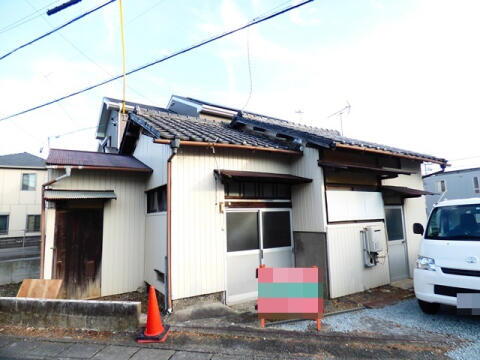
(348, 274)
(308, 213)
(123, 226)
(414, 211)
(198, 227)
(156, 249)
(155, 156)
(345, 205)
(49, 243)
(17, 203)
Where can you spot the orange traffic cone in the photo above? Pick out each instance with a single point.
(155, 330)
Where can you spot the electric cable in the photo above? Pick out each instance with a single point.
(253, 22)
(79, 17)
(124, 70)
(26, 19)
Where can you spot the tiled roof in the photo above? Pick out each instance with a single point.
(164, 124)
(61, 157)
(21, 160)
(319, 136)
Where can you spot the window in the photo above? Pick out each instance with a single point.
(253, 190)
(454, 223)
(276, 229)
(476, 185)
(33, 223)
(242, 231)
(157, 200)
(29, 182)
(3, 224)
(441, 186)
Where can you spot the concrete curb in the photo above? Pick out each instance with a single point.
(110, 316)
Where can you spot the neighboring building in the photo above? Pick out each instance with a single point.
(194, 203)
(456, 184)
(21, 177)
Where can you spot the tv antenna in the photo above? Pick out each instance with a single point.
(299, 112)
(340, 113)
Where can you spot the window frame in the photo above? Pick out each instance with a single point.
(440, 186)
(5, 232)
(27, 230)
(161, 204)
(28, 186)
(259, 190)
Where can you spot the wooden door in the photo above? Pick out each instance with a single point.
(78, 251)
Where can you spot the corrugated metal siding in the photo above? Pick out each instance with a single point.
(348, 274)
(198, 228)
(123, 225)
(156, 249)
(308, 201)
(155, 156)
(414, 210)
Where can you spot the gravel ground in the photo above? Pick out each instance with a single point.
(406, 318)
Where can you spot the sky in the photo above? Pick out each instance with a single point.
(409, 69)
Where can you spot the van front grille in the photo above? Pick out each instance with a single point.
(461, 272)
(452, 291)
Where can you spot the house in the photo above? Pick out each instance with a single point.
(451, 185)
(193, 198)
(20, 192)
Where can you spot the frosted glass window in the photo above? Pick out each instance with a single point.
(242, 231)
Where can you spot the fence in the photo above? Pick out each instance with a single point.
(19, 238)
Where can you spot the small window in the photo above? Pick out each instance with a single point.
(33, 223)
(29, 182)
(157, 200)
(3, 224)
(441, 186)
(276, 229)
(252, 190)
(242, 231)
(476, 185)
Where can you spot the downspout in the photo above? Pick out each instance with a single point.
(174, 145)
(68, 172)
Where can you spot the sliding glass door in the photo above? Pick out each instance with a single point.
(254, 237)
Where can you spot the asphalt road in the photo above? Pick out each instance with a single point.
(19, 253)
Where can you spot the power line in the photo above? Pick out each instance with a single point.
(26, 18)
(56, 29)
(82, 53)
(253, 22)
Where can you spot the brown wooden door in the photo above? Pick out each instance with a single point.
(78, 251)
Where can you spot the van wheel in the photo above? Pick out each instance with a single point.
(428, 308)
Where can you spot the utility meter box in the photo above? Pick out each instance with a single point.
(374, 239)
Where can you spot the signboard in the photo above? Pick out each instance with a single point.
(289, 293)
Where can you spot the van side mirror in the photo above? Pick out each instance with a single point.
(418, 229)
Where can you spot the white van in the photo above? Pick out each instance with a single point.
(449, 258)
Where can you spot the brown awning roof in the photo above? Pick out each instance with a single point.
(405, 192)
(357, 167)
(226, 175)
(95, 160)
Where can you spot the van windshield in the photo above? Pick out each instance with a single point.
(454, 223)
